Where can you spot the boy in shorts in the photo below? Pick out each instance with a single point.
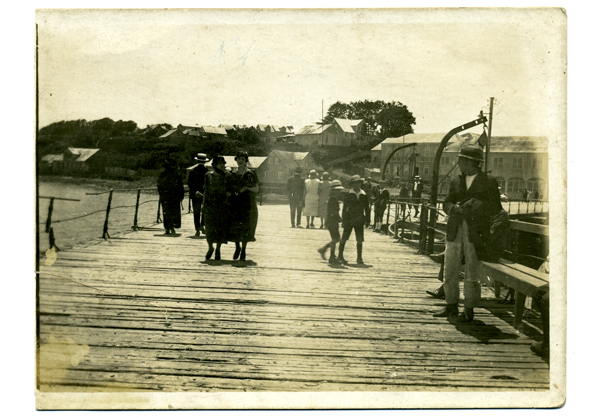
(355, 215)
(332, 221)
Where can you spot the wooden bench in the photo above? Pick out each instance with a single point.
(524, 280)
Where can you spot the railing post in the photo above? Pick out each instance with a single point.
(396, 220)
(158, 220)
(105, 231)
(52, 240)
(403, 206)
(388, 216)
(431, 231)
(137, 205)
(423, 231)
(49, 219)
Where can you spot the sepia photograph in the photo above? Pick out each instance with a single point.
(300, 208)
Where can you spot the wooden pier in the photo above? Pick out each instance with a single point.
(145, 312)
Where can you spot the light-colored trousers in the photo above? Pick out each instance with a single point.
(452, 265)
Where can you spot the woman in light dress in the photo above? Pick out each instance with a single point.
(311, 198)
(323, 197)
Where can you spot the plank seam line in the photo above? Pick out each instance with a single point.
(133, 298)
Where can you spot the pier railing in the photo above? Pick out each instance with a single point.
(423, 228)
(105, 234)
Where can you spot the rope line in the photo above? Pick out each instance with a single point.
(78, 217)
(98, 211)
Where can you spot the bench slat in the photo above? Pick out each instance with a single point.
(530, 227)
(524, 269)
(521, 282)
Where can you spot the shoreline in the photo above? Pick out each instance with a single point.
(144, 182)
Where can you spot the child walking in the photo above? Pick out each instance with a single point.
(332, 221)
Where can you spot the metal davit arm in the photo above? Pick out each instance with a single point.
(434, 181)
(388, 159)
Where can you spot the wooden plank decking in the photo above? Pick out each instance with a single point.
(145, 312)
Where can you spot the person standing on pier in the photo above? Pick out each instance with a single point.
(215, 206)
(380, 207)
(312, 187)
(367, 186)
(403, 194)
(324, 198)
(295, 189)
(244, 209)
(471, 203)
(196, 185)
(171, 192)
(417, 189)
(332, 223)
(355, 215)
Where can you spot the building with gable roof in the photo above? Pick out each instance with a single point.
(280, 165)
(204, 131)
(341, 133)
(518, 163)
(270, 133)
(73, 160)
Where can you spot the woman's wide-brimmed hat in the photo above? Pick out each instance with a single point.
(218, 159)
(202, 158)
(325, 174)
(355, 178)
(336, 185)
(242, 154)
(471, 152)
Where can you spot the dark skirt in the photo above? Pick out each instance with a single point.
(217, 223)
(171, 214)
(245, 219)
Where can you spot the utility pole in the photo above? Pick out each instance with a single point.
(322, 123)
(489, 141)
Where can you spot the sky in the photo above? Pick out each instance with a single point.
(209, 67)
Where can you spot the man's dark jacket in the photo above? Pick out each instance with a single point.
(480, 203)
(295, 188)
(196, 180)
(356, 211)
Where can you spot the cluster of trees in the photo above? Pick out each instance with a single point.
(385, 119)
(126, 145)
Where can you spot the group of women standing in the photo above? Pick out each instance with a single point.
(229, 204)
(229, 207)
(316, 194)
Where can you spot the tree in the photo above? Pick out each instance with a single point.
(395, 121)
(388, 118)
(337, 110)
(124, 127)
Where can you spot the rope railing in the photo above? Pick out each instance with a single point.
(105, 234)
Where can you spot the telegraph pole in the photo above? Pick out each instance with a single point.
(489, 141)
(322, 123)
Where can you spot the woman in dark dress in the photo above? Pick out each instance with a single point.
(244, 209)
(215, 207)
(170, 190)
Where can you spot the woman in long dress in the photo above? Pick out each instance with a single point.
(323, 198)
(311, 198)
(170, 190)
(244, 208)
(215, 207)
